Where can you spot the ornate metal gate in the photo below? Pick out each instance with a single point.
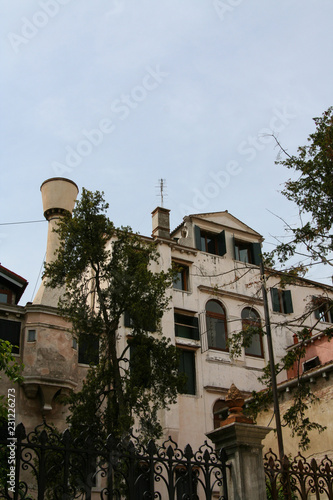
(47, 465)
(298, 479)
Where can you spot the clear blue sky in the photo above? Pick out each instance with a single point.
(115, 94)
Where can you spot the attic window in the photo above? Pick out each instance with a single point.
(5, 296)
(247, 252)
(210, 242)
(311, 363)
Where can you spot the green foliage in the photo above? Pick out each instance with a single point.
(108, 272)
(312, 191)
(11, 368)
(296, 419)
(296, 416)
(242, 339)
(281, 495)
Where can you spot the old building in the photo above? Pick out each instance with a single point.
(217, 293)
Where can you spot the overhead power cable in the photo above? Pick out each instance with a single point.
(23, 222)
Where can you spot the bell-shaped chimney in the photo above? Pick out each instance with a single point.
(58, 196)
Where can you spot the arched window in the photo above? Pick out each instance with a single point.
(251, 319)
(216, 325)
(220, 412)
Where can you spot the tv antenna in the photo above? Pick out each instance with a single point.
(161, 186)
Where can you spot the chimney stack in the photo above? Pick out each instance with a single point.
(161, 223)
(58, 196)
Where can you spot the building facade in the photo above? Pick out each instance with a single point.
(217, 293)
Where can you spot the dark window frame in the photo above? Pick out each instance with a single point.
(218, 239)
(309, 364)
(31, 335)
(191, 382)
(256, 323)
(188, 322)
(9, 295)
(11, 331)
(207, 241)
(253, 250)
(220, 412)
(220, 317)
(282, 301)
(324, 312)
(184, 271)
(88, 354)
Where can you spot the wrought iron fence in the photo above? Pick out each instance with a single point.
(48, 465)
(298, 479)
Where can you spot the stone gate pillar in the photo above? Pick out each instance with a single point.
(242, 442)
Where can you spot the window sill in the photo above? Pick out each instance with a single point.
(188, 292)
(249, 264)
(183, 341)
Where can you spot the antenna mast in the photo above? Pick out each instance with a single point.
(162, 186)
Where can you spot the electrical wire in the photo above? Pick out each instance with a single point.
(40, 272)
(23, 222)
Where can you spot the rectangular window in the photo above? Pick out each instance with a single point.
(311, 363)
(187, 366)
(282, 301)
(186, 326)
(247, 252)
(10, 330)
(181, 281)
(213, 243)
(88, 349)
(324, 312)
(31, 336)
(4, 297)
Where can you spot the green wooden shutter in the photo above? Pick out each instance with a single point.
(256, 253)
(127, 319)
(197, 237)
(287, 302)
(222, 247)
(187, 366)
(275, 299)
(234, 247)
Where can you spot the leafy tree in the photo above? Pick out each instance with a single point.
(311, 243)
(13, 370)
(107, 272)
(312, 191)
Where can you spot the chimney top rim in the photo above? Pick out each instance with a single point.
(60, 179)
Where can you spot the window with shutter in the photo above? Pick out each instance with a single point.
(281, 301)
(213, 243)
(247, 252)
(324, 312)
